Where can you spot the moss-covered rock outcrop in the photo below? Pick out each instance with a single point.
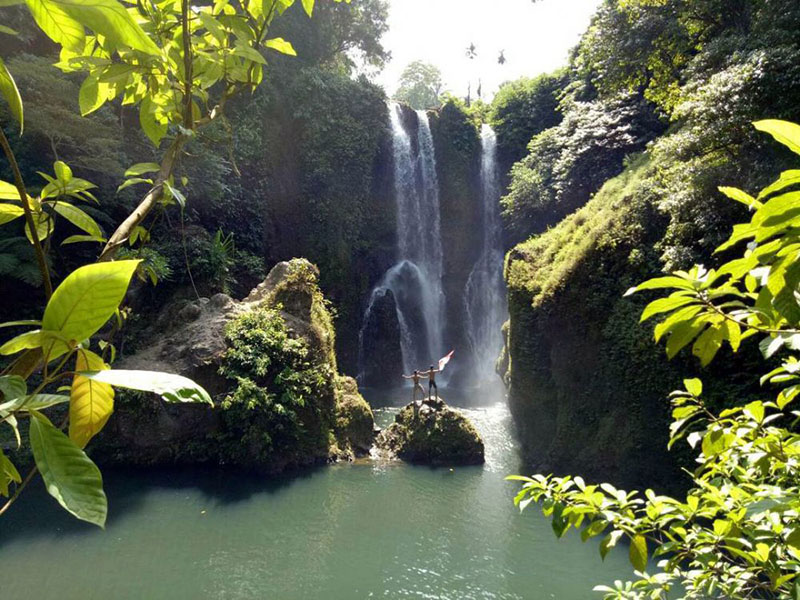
(587, 386)
(432, 433)
(270, 363)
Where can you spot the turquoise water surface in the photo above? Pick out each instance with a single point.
(350, 531)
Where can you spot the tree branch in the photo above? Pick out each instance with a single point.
(23, 196)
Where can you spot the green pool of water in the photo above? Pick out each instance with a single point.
(346, 532)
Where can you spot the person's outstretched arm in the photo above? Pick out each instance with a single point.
(408, 377)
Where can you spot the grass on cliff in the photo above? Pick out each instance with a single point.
(543, 264)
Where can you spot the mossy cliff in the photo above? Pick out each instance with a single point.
(587, 386)
(270, 364)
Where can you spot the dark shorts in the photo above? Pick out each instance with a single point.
(432, 384)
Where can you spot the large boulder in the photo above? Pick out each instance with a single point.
(432, 433)
(381, 354)
(270, 365)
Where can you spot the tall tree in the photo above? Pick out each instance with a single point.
(420, 86)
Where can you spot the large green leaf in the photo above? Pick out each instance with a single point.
(173, 388)
(85, 300)
(785, 132)
(281, 45)
(24, 341)
(79, 218)
(106, 17)
(8, 191)
(11, 388)
(8, 87)
(91, 402)
(57, 24)
(34, 402)
(9, 212)
(69, 475)
(638, 553)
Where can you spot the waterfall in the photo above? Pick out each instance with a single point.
(484, 297)
(415, 281)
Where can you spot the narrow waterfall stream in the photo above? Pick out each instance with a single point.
(485, 296)
(414, 284)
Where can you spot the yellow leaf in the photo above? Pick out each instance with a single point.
(91, 402)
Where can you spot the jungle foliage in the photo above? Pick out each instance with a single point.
(735, 533)
(177, 67)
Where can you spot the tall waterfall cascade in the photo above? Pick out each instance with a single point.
(414, 284)
(485, 296)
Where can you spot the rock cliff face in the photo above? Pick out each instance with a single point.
(382, 355)
(269, 363)
(458, 155)
(587, 386)
(432, 433)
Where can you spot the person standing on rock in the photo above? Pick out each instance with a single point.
(431, 375)
(417, 386)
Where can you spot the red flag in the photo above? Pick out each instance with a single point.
(444, 360)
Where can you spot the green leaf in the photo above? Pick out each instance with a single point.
(154, 130)
(665, 305)
(79, 218)
(694, 387)
(9, 212)
(682, 335)
(110, 19)
(708, 344)
(173, 388)
(756, 410)
(609, 542)
(308, 6)
(91, 402)
(249, 53)
(661, 283)
(12, 387)
(8, 473)
(24, 341)
(57, 24)
(8, 191)
(9, 90)
(787, 178)
(740, 196)
(77, 239)
(133, 181)
(69, 475)
(142, 168)
(90, 97)
(281, 45)
(637, 553)
(8, 30)
(785, 132)
(35, 402)
(85, 300)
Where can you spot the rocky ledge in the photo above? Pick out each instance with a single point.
(269, 363)
(431, 433)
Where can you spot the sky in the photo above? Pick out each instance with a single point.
(536, 38)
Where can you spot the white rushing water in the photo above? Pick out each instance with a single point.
(416, 279)
(485, 296)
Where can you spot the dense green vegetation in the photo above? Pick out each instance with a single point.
(736, 535)
(655, 116)
(662, 212)
(179, 70)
